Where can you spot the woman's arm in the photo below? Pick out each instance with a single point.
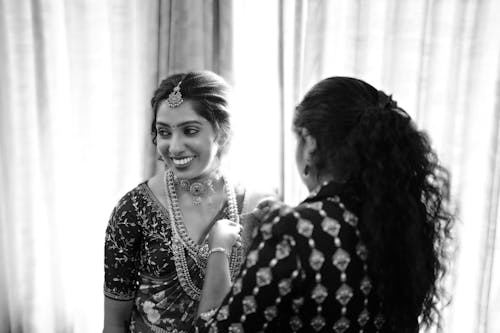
(121, 257)
(269, 275)
(217, 282)
(116, 315)
(222, 237)
(218, 277)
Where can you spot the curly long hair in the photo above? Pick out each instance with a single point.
(390, 170)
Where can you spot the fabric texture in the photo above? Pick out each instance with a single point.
(306, 271)
(77, 77)
(139, 263)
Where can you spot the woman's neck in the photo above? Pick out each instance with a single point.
(200, 188)
(320, 181)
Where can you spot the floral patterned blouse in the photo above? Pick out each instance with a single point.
(139, 264)
(306, 271)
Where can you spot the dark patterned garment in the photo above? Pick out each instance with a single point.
(305, 271)
(139, 265)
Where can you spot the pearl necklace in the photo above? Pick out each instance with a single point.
(182, 242)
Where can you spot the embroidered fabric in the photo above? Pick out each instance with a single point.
(140, 265)
(306, 271)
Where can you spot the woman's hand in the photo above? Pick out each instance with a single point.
(266, 206)
(224, 233)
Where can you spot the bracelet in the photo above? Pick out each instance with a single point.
(207, 315)
(219, 249)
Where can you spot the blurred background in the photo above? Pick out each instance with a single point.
(76, 78)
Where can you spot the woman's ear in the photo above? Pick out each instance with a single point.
(310, 144)
(223, 142)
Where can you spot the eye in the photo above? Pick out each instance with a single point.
(164, 133)
(191, 130)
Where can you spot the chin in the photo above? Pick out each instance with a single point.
(190, 173)
(187, 174)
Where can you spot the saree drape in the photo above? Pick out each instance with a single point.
(77, 78)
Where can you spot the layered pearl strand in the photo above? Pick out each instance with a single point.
(182, 242)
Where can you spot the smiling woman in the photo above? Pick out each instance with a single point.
(186, 141)
(159, 237)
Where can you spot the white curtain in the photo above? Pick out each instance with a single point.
(77, 76)
(440, 60)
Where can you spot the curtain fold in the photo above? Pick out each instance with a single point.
(76, 78)
(490, 289)
(194, 35)
(440, 60)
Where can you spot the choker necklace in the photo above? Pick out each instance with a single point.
(183, 245)
(197, 188)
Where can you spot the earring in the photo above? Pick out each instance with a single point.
(307, 170)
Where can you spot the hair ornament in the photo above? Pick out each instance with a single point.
(175, 98)
(385, 102)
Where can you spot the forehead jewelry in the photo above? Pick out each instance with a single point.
(175, 97)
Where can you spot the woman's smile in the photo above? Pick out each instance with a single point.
(182, 162)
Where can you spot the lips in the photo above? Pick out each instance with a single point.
(182, 161)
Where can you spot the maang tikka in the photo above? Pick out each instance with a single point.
(175, 98)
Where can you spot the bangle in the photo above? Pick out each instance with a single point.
(207, 315)
(219, 249)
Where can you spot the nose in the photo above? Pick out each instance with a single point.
(176, 146)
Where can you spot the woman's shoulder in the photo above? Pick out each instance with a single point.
(328, 207)
(132, 199)
(136, 191)
(311, 217)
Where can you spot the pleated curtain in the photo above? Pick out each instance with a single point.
(77, 78)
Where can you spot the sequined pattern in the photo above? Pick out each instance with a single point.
(306, 272)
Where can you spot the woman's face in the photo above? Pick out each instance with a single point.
(305, 146)
(186, 141)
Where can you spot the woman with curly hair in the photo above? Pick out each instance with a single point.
(366, 250)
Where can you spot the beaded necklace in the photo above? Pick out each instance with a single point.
(181, 242)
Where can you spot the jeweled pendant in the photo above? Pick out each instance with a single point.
(197, 189)
(184, 184)
(175, 98)
(196, 200)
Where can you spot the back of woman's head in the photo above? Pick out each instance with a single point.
(210, 96)
(389, 168)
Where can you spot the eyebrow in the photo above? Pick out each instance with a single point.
(184, 123)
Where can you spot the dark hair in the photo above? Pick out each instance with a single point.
(209, 94)
(390, 170)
